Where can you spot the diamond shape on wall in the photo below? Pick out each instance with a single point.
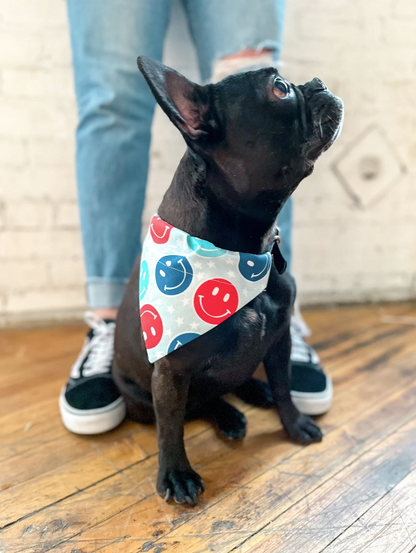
(368, 168)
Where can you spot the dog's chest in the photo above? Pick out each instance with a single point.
(245, 340)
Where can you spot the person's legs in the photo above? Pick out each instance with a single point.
(285, 223)
(223, 29)
(232, 36)
(115, 108)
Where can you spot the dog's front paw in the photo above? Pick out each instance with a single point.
(303, 430)
(183, 486)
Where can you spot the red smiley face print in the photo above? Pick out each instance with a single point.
(152, 325)
(159, 230)
(215, 300)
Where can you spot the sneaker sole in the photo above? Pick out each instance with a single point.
(93, 421)
(314, 403)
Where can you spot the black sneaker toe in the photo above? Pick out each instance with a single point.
(93, 393)
(307, 378)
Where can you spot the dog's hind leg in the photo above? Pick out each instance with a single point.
(255, 392)
(228, 420)
(139, 405)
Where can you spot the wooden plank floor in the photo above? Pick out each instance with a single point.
(353, 493)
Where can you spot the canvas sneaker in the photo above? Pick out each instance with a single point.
(311, 386)
(90, 403)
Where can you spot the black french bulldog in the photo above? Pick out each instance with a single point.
(251, 139)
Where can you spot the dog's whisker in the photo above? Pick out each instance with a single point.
(320, 128)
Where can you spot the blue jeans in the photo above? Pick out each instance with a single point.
(115, 109)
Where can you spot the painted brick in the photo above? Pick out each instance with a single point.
(51, 153)
(67, 272)
(41, 83)
(341, 253)
(67, 215)
(20, 48)
(32, 14)
(13, 152)
(400, 31)
(56, 49)
(46, 299)
(39, 244)
(403, 8)
(2, 215)
(22, 275)
(29, 214)
(35, 118)
(38, 182)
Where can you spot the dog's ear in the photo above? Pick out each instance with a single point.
(184, 102)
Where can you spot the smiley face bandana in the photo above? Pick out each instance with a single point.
(187, 286)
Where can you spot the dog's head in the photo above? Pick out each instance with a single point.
(261, 133)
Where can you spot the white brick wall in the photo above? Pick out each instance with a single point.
(41, 269)
(344, 250)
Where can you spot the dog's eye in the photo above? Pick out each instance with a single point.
(280, 88)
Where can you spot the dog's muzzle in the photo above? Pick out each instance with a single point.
(326, 114)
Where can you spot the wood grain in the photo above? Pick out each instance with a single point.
(352, 493)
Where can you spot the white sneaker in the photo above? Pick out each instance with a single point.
(90, 403)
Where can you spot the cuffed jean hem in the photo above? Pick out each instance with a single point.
(102, 293)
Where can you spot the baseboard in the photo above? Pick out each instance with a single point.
(31, 319)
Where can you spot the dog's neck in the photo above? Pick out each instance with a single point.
(196, 203)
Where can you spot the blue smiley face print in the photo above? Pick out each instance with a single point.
(143, 279)
(204, 248)
(173, 274)
(181, 340)
(254, 267)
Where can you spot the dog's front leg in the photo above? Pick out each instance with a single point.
(176, 478)
(300, 428)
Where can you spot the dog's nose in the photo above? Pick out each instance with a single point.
(313, 86)
(318, 84)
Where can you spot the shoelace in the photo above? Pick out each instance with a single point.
(301, 351)
(99, 349)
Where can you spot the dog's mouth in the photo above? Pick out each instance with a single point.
(322, 116)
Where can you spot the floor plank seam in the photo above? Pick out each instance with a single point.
(301, 499)
(376, 444)
(118, 471)
(358, 485)
(151, 495)
(77, 492)
(336, 360)
(355, 416)
(328, 344)
(366, 511)
(81, 490)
